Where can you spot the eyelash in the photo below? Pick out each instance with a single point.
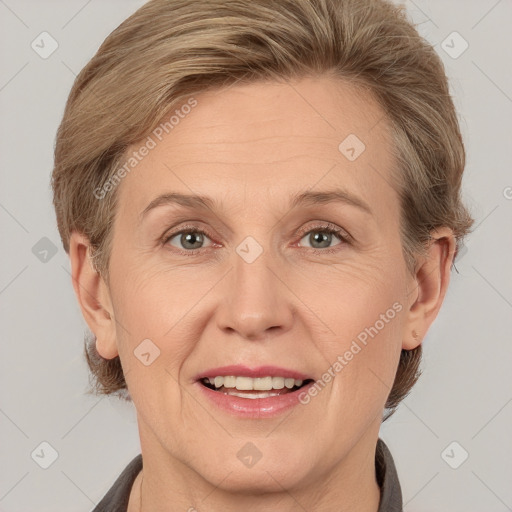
(344, 237)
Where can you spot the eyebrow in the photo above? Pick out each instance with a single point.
(304, 199)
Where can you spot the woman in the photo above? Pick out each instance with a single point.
(261, 205)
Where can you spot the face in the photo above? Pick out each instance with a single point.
(292, 270)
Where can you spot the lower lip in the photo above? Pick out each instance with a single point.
(254, 407)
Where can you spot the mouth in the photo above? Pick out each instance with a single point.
(254, 388)
(253, 393)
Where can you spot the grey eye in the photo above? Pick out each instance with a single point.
(189, 239)
(320, 238)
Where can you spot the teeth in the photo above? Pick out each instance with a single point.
(249, 395)
(289, 383)
(277, 382)
(243, 383)
(229, 382)
(249, 384)
(262, 383)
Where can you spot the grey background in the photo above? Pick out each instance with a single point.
(464, 394)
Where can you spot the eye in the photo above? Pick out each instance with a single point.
(189, 239)
(321, 237)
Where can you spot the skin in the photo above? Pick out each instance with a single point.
(252, 147)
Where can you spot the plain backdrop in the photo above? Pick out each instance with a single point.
(450, 438)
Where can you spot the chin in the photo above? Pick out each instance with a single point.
(268, 476)
(258, 482)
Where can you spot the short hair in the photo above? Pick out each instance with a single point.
(169, 50)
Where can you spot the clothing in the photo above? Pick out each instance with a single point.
(116, 500)
(387, 478)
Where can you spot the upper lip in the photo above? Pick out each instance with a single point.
(258, 371)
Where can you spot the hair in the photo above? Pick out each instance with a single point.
(169, 50)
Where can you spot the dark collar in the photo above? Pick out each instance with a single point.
(387, 478)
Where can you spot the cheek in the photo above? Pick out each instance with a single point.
(364, 361)
(154, 300)
(157, 321)
(365, 311)
(359, 300)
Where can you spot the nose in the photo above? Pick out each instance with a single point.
(256, 303)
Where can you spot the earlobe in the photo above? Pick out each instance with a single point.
(93, 296)
(430, 284)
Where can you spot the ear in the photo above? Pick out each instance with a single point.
(429, 285)
(93, 296)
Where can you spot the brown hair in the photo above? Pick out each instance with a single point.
(169, 50)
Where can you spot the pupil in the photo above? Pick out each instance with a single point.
(319, 235)
(190, 238)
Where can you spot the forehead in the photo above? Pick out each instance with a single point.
(266, 140)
